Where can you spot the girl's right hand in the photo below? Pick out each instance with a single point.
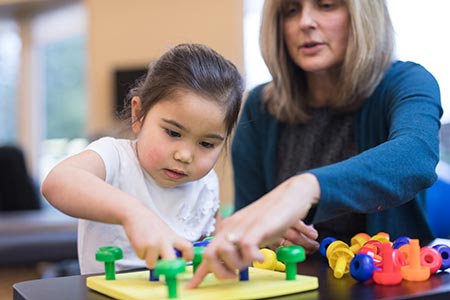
(151, 238)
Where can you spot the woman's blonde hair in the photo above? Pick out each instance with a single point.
(369, 53)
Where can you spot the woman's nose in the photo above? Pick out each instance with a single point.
(307, 18)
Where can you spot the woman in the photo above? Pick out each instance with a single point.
(344, 136)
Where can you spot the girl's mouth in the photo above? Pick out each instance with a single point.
(174, 174)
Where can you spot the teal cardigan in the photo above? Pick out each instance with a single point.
(397, 135)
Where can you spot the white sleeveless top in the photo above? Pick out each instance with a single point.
(189, 209)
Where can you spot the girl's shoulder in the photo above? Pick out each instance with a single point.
(112, 144)
(210, 181)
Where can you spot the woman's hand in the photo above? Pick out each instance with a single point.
(299, 234)
(151, 238)
(236, 244)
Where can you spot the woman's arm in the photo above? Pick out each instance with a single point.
(398, 133)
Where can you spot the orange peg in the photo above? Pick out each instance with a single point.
(414, 271)
(404, 250)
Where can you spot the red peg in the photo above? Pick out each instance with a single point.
(390, 273)
(430, 257)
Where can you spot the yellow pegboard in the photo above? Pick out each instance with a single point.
(262, 284)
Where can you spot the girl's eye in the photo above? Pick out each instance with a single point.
(207, 145)
(172, 133)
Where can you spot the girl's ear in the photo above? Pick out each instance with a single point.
(136, 108)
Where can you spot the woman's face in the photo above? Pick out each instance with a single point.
(316, 33)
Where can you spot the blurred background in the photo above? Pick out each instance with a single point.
(65, 66)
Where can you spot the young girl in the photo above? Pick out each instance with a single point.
(159, 191)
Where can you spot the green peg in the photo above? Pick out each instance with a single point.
(109, 255)
(291, 255)
(198, 256)
(208, 238)
(170, 269)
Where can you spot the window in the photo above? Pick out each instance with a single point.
(59, 75)
(10, 46)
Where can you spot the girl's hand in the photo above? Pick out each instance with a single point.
(237, 242)
(151, 238)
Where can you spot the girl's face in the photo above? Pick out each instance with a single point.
(180, 139)
(316, 33)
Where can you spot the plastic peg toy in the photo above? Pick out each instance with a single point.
(381, 237)
(109, 255)
(400, 241)
(170, 269)
(357, 241)
(362, 267)
(375, 245)
(430, 257)
(377, 259)
(339, 258)
(384, 234)
(444, 250)
(290, 256)
(270, 261)
(203, 243)
(334, 245)
(399, 257)
(152, 275)
(198, 256)
(390, 273)
(404, 249)
(414, 271)
(243, 274)
(364, 235)
(324, 245)
(178, 253)
(208, 238)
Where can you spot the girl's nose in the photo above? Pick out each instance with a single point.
(183, 155)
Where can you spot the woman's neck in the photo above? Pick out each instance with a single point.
(321, 89)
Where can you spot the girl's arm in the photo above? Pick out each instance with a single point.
(76, 186)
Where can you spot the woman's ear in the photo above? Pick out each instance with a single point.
(136, 119)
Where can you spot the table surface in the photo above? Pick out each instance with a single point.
(437, 287)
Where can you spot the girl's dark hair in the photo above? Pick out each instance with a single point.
(195, 68)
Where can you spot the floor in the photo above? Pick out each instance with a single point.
(10, 275)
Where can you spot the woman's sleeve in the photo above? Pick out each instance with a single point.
(389, 173)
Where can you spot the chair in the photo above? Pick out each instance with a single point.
(17, 190)
(438, 202)
(32, 233)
